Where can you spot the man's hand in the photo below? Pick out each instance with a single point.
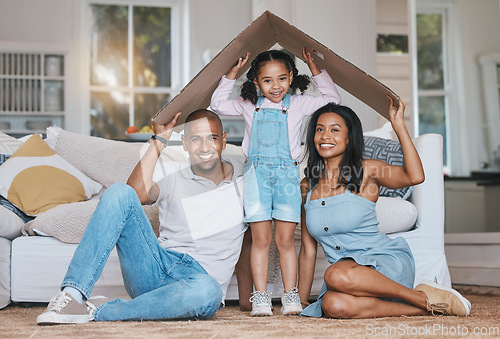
(233, 72)
(141, 178)
(165, 131)
(310, 62)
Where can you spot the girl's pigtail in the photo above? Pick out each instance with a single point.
(300, 82)
(248, 90)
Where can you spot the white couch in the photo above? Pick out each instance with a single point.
(38, 263)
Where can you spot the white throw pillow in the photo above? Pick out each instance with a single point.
(10, 224)
(385, 132)
(9, 145)
(395, 215)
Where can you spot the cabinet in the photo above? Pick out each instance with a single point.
(465, 207)
(32, 91)
(490, 68)
(471, 205)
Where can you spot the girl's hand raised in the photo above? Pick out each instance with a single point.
(310, 62)
(233, 72)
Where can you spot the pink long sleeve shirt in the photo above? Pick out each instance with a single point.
(300, 106)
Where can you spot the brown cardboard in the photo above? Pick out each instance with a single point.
(263, 33)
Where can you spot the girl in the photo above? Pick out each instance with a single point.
(370, 274)
(272, 145)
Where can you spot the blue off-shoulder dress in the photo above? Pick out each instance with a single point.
(346, 226)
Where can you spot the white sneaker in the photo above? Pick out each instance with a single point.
(261, 304)
(444, 300)
(290, 302)
(62, 309)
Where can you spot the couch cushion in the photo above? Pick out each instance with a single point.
(389, 151)
(10, 224)
(35, 179)
(68, 222)
(395, 215)
(105, 161)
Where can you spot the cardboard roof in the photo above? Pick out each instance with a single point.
(263, 33)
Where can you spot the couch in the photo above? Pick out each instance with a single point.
(32, 266)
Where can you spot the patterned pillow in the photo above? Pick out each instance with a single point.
(3, 158)
(6, 203)
(389, 151)
(36, 179)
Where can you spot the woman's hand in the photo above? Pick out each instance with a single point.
(396, 115)
(233, 72)
(412, 172)
(165, 131)
(310, 62)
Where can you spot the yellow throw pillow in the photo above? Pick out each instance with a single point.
(36, 179)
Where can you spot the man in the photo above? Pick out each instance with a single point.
(184, 273)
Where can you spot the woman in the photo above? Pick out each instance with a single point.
(370, 275)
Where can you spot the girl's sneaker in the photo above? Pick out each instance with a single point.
(290, 302)
(261, 304)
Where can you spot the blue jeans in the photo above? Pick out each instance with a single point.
(163, 284)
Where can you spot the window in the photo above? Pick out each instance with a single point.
(392, 43)
(131, 65)
(434, 83)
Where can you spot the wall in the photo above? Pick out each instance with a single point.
(480, 34)
(395, 70)
(213, 25)
(346, 27)
(40, 22)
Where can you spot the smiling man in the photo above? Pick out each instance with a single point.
(184, 273)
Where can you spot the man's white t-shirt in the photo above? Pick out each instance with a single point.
(201, 218)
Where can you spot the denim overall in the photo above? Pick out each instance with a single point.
(271, 175)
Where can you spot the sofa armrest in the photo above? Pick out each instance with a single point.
(428, 197)
(5, 245)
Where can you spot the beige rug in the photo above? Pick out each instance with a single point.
(17, 322)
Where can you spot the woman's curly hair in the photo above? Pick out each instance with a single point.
(249, 91)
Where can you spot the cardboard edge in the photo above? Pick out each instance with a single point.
(381, 108)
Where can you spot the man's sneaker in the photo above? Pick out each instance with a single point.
(62, 309)
(261, 304)
(444, 300)
(290, 302)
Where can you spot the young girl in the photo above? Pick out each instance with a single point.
(370, 275)
(272, 146)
